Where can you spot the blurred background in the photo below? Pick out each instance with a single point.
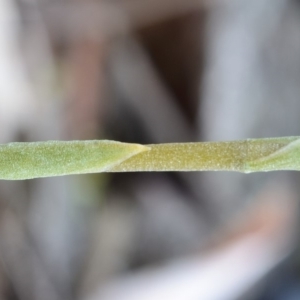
(150, 71)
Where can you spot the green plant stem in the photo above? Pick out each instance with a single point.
(252, 155)
(56, 158)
